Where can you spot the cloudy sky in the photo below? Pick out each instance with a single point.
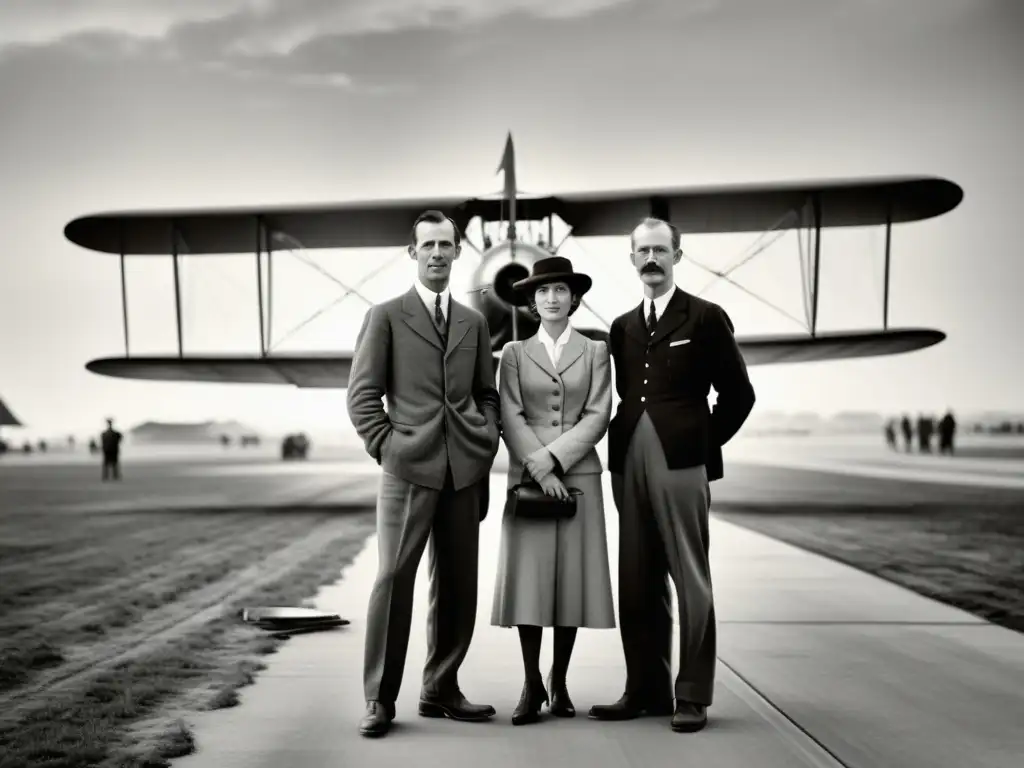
(182, 103)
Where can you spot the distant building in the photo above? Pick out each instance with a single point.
(197, 433)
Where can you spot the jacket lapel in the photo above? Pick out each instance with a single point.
(416, 317)
(636, 325)
(571, 351)
(458, 324)
(536, 352)
(676, 313)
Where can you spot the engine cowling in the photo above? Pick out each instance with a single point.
(498, 267)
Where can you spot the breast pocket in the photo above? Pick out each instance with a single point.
(681, 358)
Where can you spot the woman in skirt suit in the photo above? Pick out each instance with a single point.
(555, 390)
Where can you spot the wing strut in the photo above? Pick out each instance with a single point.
(888, 242)
(124, 288)
(177, 285)
(817, 263)
(803, 255)
(268, 244)
(260, 238)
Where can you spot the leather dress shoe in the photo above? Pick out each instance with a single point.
(531, 700)
(377, 720)
(689, 717)
(456, 707)
(629, 707)
(561, 704)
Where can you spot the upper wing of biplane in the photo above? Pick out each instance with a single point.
(698, 210)
(332, 370)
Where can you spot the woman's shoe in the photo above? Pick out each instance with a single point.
(561, 704)
(532, 699)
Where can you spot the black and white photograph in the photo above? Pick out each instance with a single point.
(420, 382)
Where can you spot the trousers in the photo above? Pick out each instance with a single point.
(409, 515)
(663, 533)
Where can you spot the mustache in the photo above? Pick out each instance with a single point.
(651, 269)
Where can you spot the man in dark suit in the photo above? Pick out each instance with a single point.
(664, 450)
(430, 358)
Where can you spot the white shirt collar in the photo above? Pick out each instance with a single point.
(429, 297)
(554, 346)
(660, 304)
(559, 342)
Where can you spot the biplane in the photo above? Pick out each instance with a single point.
(736, 209)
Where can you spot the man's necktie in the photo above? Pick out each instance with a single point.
(652, 319)
(439, 315)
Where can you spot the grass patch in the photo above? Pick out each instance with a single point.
(18, 664)
(75, 613)
(967, 556)
(136, 713)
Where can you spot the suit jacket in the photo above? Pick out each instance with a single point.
(442, 406)
(669, 374)
(565, 408)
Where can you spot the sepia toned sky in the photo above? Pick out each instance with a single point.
(188, 103)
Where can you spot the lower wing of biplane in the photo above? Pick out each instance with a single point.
(816, 205)
(330, 370)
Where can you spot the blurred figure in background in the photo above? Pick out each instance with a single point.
(110, 441)
(908, 433)
(947, 430)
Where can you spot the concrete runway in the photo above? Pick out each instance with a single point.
(821, 664)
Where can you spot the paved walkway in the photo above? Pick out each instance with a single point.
(821, 665)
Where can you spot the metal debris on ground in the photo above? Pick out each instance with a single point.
(291, 620)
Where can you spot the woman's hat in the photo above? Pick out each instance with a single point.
(554, 269)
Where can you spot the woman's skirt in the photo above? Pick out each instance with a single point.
(555, 572)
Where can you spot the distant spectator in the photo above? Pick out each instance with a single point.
(947, 431)
(925, 427)
(110, 441)
(908, 432)
(890, 433)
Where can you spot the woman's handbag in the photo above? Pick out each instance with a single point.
(527, 499)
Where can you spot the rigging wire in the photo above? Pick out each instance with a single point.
(743, 257)
(725, 273)
(584, 302)
(348, 291)
(778, 231)
(746, 290)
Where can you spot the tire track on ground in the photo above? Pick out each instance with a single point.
(188, 559)
(106, 562)
(72, 552)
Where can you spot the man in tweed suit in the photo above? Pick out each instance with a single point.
(430, 358)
